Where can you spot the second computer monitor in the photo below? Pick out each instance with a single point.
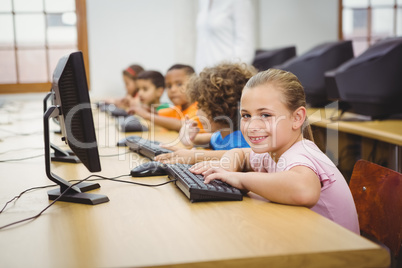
(312, 65)
(265, 59)
(372, 82)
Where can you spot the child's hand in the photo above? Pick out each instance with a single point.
(188, 131)
(133, 101)
(221, 174)
(140, 111)
(124, 102)
(172, 148)
(203, 166)
(119, 103)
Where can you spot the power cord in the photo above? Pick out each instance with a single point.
(27, 190)
(21, 159)
(20, 134)
(36, 156)
(21, 149)
(129, 182)
(63, 193)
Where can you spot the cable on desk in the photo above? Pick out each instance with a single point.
(21, 159)
(63, 193)
(47, 186)
(36, 156)
(23, 192)
(43, 210)
(21, 149)
(21, 134)
(130, 182)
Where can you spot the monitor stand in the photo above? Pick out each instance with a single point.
(61, 155)
(67, 191)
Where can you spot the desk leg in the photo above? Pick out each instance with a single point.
(395, 161)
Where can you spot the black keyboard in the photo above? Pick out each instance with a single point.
(145, 147)
(196, 190)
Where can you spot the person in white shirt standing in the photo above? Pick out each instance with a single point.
(225, 32)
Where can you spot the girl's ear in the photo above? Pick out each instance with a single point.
(299, 116)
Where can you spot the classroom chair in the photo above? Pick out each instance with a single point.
(377, 192)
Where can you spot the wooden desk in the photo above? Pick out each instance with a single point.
(388, 132)
(143, 226)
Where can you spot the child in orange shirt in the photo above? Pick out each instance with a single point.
(172, 118)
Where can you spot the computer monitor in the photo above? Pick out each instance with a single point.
(265, 59)
(372, 82)
(312, 65)
(59, 154)
(72, 107)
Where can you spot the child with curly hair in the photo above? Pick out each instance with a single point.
(217, 91)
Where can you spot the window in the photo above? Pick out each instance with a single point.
(34, 35)
(367, 21)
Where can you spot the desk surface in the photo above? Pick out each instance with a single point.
(389, 131)
(144, 226)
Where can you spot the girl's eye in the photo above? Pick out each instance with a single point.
(245, 116)
(265, 116)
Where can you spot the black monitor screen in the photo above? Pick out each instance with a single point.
(71, 105)
(310, 68)
(372, 82)
(71, 94)
(265, 59)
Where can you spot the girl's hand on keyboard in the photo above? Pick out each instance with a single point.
(223, 175)
(203, 166)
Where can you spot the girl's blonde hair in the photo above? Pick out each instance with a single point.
(291, 88)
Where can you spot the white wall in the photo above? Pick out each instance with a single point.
(153, 33)
(160, 33)
(304, 24)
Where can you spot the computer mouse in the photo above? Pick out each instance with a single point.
(115, 111)
(131, 124)
(102, 106)
(148, 169)
(133, 139)
(122, 142)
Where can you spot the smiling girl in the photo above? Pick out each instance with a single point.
(283, 164)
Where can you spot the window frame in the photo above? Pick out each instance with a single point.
(82, 45)
(369, 36)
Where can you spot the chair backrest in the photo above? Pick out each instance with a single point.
(377, 192)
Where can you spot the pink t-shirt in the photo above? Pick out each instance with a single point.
(336, 201)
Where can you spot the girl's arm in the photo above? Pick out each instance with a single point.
(232, 160)
(297, 186)
(163, 121)
(186, 156)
